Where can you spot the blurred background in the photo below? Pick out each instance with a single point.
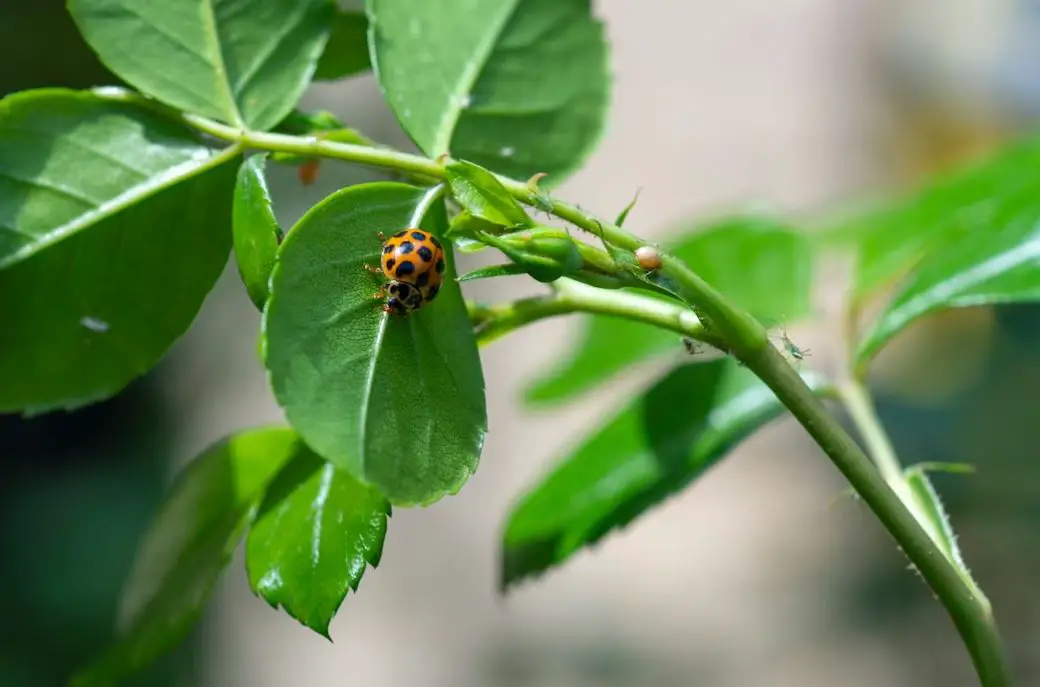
(759, 575)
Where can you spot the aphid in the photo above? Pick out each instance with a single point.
(792, 349)
(308, 172)
(692, 346)
(648, 257)
(413, 262)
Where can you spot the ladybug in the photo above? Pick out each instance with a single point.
(413, 262)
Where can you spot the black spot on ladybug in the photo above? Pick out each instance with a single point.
(400, 234)
(418, 236)
(434, 241)
(390, 262)
(402, 291)
(432, 292)
(440, 266)
(406, 248)
(422, 280)
(425, 254)
(404, 269)
(387, 250)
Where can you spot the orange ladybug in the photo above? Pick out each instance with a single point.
(413, 262)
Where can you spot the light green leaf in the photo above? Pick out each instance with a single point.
(481, 194)
(762, 265)
(928, 509)
(100, 203)
(396, 401)
(346, 53)
(507, 270)
(187, 547)
(245, 62)
(315, 532)
(994, 261)
(517, 86)
(685, 423)
(891, 238)
(256, 230)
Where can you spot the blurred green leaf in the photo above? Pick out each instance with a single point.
(976, 199)
(101, 203)
(316, 530)
(628, 208)
(762, 265)
(480, 193)
(685, 423)
(188, 545)
(256, 230)
(518, 86)
(396, 401)
(346, 53)
(245, 62)
(996, 260)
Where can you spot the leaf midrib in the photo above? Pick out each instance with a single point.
(464, 85)
(209, 25)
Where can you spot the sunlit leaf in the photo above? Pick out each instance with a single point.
(762, 265)
(187, 547)
(396, 401)
(315, 532)
(483, 197)
(655, 447)
(994, 261)
(114, 225)
(517, 86)
(245, 62)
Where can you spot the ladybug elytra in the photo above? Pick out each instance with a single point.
(413, 262)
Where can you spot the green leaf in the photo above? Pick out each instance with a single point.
(317, 529)
(762, 265)
(188, 545)
(655, 447)
(396, 401)
(245, 62)
(506, 270)
(994, 261)
(929, 511)
(71, 160)
(483, 196)
(976, 199)
(517, 86)
(346, 53)
(628, 208)
(256, 231)
(101, 204)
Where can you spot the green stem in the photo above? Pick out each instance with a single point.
(746, 339)
(570, 296)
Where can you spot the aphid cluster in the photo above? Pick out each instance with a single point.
(412, 260)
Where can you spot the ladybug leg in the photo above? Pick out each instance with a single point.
(371, 268)
(382, 236)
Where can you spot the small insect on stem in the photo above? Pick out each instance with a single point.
(692, 346)
(792, 349)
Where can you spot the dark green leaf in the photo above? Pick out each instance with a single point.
(506, 270)
(996, 260)
(317, 529)
(518, 86)
(764, 266)
(101, 205)
(188, 545)
(398, 402)
(256, 230)
(480, 193)
(346, 53)
(245, 62)
(977, 199)
(663, 441)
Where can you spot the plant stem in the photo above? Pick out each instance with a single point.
(744, 337)
(570, 296)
